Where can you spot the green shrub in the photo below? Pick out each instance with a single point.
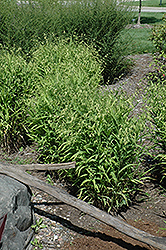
(97, 22)
(71, 119)
(159, 36)
(17, 83)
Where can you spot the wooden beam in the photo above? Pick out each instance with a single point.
(18, 174)
(57, 166)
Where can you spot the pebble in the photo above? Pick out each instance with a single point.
(55, 234)
(55, 237)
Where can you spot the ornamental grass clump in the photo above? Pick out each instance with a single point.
(72, 119)
(156, 99)
(97, 22)
(17, 84)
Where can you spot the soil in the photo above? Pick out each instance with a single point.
(67, 227)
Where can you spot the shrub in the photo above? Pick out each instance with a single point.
(71, 119)
(98, 22)
(159, 36)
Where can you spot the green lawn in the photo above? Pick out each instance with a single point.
(150, 17)
(138, 39)
(154, 3)
(148, 3)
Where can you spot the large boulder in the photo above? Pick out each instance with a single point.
(15, 202)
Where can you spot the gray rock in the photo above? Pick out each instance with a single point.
(15, 201)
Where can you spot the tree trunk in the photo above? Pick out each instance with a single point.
(139, 13)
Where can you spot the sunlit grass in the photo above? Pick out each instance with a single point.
(150, 17)
(138, 40)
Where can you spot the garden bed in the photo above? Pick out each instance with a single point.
(68, 228)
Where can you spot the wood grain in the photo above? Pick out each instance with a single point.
(42, 167)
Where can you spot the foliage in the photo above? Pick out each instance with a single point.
(156, 99)
(164, 227)
(72, 119)
(38, 225)
(156, 96)
(68, 60)
(159, 36)
(49, 180)
(17, 83)
(99, 23)
(37, 244)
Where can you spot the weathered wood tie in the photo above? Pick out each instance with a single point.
(17, 172)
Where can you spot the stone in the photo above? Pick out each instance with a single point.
(15, 201)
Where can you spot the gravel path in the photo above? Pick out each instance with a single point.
(135, 80)
(61, 222)
(135, 83)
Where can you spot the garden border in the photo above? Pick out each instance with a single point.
(18, 172)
